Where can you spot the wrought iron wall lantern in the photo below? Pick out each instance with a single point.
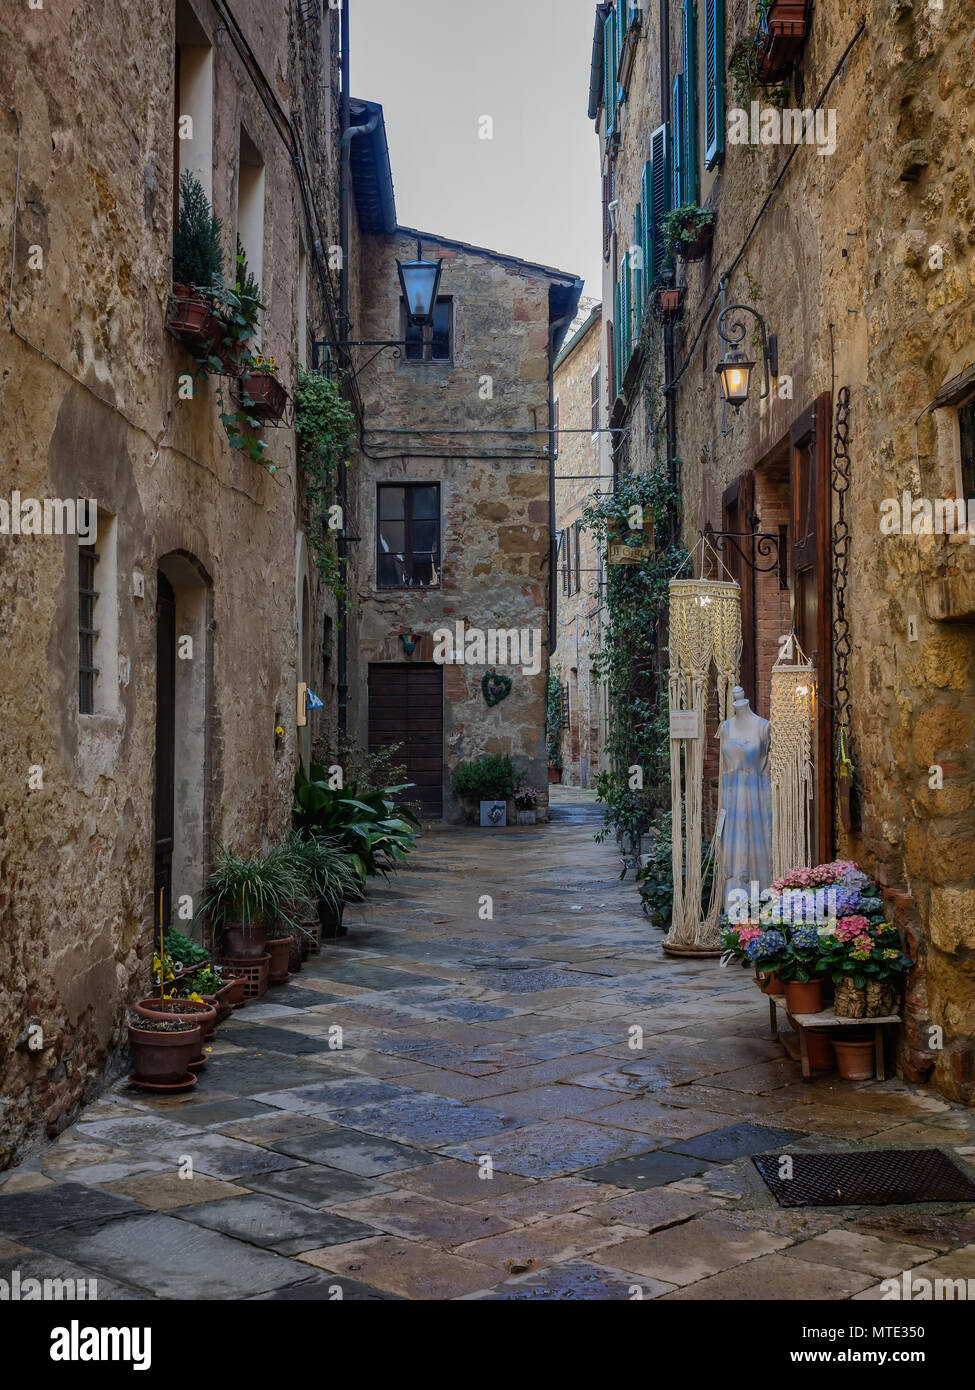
(754, 545)
(419, 284)
(736, 367)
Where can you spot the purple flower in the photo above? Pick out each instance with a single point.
(770, 943)
(805, 939)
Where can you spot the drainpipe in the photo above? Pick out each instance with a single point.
(554, 336)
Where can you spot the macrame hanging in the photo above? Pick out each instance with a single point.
(791, 771)
(705, 633)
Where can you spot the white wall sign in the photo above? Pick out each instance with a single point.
(685, 723)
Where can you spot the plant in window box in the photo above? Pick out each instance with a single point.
(688, 231)
(197, 263)
(263, 395)
(526, 805)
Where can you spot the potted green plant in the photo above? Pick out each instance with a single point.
(781, 32)
(526, 805)
(263, 395)
(688, 231)
(246, 892)
(329, 877)
(867, 966)
(197, 263)
(212, 988)
(162, 1050)
(488, 781)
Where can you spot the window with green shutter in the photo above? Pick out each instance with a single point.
(713, 82)
(610, 59)
(688, 154)
(646, 211)
(660, 190)
(677, 127)
(639, 273)
(617, 336)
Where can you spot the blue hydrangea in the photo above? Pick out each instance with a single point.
(847, 901)
(770, 943)
(805, 939)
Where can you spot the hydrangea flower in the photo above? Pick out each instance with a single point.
(849, 927)
(860, 955)
(863, 943)
(769, 943)
(805, 939)
(890, 953)
(748, 933)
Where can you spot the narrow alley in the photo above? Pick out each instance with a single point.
(488, 1123)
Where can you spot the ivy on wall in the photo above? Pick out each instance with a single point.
(324, 429)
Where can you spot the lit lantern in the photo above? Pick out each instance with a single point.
(420, 281)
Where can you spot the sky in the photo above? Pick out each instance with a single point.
(437, 67)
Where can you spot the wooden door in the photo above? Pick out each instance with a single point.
(812, 594)
(164, 799)
(406, 707)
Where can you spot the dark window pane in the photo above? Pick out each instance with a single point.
(392, 503)
(440, 345)
(425, 502)
(390, 571)
(966, 432)
(392, 537)
(414, 340)
(424, 536)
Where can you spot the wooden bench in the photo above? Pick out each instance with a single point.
(827, 1019)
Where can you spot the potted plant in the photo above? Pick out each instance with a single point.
(212, 988)
(197, 262)
(526, 805)
(329, 877)
(263, 395)
(244, 893)
(855, 1054)
(688, 231)
(866, 963)
(162, 1050)
(489, 781)
(799, 968)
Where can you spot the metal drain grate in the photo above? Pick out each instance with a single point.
(876, 1178)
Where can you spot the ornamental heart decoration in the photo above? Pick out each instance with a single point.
(495, 687)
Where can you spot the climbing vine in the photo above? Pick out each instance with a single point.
(631, 660)
(324, 430)
(553, 719)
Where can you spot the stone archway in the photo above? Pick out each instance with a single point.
(183, 684)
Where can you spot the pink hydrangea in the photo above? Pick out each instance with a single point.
(863, 943)
(823, 875)
(746, 934)
(849, 927)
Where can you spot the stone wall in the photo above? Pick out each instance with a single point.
(89, 408)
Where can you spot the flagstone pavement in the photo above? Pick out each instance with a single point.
(495, 1087)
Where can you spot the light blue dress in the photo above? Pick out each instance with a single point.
(746, 798)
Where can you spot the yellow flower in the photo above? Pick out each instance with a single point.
(279, 732)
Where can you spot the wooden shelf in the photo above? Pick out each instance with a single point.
(804, 1023)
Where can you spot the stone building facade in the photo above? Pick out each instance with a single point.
(150, 658)
(584, 469)
(849, 230)
(450, 510)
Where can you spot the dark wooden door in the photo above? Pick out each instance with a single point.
(812, 594)
(406, 707)
(164, 800)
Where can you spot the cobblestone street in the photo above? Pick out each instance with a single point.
(614, 1168)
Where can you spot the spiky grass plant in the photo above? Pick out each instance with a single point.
(255, 889)
(326, 869)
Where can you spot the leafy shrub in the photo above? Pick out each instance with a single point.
(656, 878)
(197, 256)
(491, 778)
(373, 832)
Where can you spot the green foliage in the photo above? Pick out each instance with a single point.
(656, 878)
(197, 256)
(376, 835)
(631, 659)
(252, 889)
(325, 868)
(205, 981)
(183, 949)
(553, 719)
(324, 426)
(491, 778)
(685, 223)
(246, 284)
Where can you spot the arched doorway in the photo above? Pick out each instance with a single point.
(182, 744)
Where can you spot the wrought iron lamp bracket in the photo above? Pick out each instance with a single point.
(766, 545)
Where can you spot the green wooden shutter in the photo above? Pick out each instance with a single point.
(617, 336)
(609, 71)
(689, 111)
(713, 82)
(677, 127)
(639, 273)
(660, 186)
(645, 214)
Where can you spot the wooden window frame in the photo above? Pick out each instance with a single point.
(88, 595)
(427, 337)
(408, 486)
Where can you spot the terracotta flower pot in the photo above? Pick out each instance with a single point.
(162, 1059)
(244, 943)
(554, 774)
(190, 317)
(854, 1058)
(236, 987)
(279, 950)
(268, 397)
(188, 1009)
(294, 955)
(804, 998)
(771, 984)
(695, 250)
(819, 1050)
(669, 301)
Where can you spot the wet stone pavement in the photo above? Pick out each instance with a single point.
(486, 1130)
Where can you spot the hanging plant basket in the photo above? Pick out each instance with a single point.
(190, 318)
(668, 303)
(779, 40)
(268, 398)
(696, 248)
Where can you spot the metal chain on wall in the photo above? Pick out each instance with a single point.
(842, 642)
